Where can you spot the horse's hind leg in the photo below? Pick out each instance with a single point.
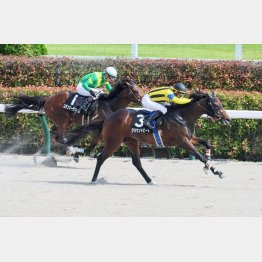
(92, 145)
(133, 146)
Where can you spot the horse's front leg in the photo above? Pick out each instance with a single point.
(187, 145)
(133, 146)
(199, 141)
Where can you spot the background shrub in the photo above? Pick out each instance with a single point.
(23, 49)
(50, 71)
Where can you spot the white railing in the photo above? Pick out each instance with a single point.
(234, 114)
(238, 51)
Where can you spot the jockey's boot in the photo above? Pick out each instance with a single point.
(152, 117)
(83, 108)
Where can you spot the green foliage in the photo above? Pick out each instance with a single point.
(242, 139)
(46, 71)
(23, 49)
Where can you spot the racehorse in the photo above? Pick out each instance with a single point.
(124, 92)
(177, 129)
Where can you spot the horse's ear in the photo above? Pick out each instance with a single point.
(213, 94)
(128, 84)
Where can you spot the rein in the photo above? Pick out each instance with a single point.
(131, 92)
(209, 110)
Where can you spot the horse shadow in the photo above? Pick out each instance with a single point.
(103, 182)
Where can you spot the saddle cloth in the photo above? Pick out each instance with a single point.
(138, 121)
(75, 101)
(138, 126)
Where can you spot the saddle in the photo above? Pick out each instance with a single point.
(80, 104)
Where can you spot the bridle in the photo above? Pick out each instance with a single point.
(214, 112)
(131, 91)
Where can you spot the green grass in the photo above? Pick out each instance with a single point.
(194, 51)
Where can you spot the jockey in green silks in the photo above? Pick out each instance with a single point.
(88, 85)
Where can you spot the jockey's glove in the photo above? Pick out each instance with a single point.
(92, 93)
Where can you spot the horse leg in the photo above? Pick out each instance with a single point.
(187, 145)
(60, 135)
(109, 149)
(93, 144)
(61, 141)
(199, 141)
(133, 146)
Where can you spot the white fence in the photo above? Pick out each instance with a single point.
(234, 114)
(238, 51)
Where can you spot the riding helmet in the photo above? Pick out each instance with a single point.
(180, 87)
(111, 71)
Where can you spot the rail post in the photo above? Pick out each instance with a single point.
(47, 147)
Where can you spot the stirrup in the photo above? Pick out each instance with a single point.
(148, 124)
(84, 108)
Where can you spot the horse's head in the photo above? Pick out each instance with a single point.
(133, 92)
(216, 110)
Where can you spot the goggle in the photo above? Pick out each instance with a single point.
(180, 94)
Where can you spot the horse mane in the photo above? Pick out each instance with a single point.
(198, 95)
(116, 90)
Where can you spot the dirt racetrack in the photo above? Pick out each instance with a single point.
(182, 189)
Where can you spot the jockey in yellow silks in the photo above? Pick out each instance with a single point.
(153, 99)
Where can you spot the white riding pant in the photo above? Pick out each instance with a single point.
(83, 92)
(148, 103)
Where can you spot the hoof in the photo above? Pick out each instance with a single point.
(220, 174)
(206, 169)
(76, 159)
(217, 172)
(152, 183)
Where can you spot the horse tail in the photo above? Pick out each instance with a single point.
(78, 133)
(25, 102)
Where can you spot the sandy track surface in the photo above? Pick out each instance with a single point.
(182, 188)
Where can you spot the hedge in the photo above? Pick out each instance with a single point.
(23, 49)
(53, 72)
(241, 140)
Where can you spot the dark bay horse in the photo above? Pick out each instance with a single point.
(176, 129)
(124, 92)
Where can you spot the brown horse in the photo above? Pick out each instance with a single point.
(176, 129)
(124, 92)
